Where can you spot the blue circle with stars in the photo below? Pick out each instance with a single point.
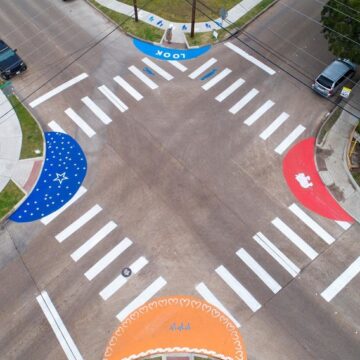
(63, 172)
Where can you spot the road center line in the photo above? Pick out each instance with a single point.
(61, 333)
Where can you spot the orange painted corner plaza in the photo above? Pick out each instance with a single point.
(177, 324)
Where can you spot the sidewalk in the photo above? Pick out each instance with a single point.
(179, 29)
(23, 172)
(331, 160)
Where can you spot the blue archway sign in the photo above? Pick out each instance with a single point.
(62, 174)
(163, 53)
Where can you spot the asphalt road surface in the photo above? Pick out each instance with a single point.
(189, 179)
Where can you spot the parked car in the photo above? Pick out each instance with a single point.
(334, 77)
(10, 62)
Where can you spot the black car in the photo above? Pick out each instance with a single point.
(10, 62)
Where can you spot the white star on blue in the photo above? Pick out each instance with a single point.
(50, 193)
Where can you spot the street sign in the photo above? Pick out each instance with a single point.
(215, 34)
(345, 92)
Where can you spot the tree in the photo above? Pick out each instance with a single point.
(341, 21)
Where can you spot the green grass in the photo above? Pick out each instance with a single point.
(138, 29)
(32, 139)
(180, 10)
(208, 38)
(9, 197)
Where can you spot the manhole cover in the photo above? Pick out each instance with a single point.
(126, 272)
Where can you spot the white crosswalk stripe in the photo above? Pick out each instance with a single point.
(243, 101)
(259, 112)
(222, 75)
(120, 280)
(338, 284)
(314, 226)
(295, 238)
(127, 87)
(204, 291)
(54, 126)
(274, 126)
(47, 219)
(238, 288)
(101, 115)
(178, 65)
(80, 122)
(147, 81)
(93, 241)
(157, 69)
(142, 298)
(250, 58)
(113, 98)
(276, 254)
(202, 68)
(228, 91)
(77, 224)
(261, 273)
(344, 224)
(289, 139)
(107, 259)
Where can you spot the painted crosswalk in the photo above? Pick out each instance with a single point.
(157, 69)
(100, 114)
(274, 126)
(243, 101)
(80, 122)
(259, 112)
(54, 126)
(179, 65)
(127, 87)
(202, 68)
(343, 280)
(112, 98)
(142, 77)
(289, 139)
(222, 75)
(229, 90)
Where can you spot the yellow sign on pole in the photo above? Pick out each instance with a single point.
(345, 92)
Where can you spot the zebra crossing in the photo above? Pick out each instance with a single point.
(116, 254)
(263, 274)
(125, 85)
(230, 93)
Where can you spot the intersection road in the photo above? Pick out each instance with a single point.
(185, 178)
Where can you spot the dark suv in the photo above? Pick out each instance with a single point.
(10, 62)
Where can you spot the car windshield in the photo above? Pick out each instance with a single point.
(6, 54)
(324, 81)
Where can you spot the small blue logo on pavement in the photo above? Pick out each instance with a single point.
(163, 53)
(63, 172)
(209, 74)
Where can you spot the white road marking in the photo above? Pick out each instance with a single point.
(274, 126)
(314, 226)
(216, 79)
(108, 258)
(277, 254)
(77, 224)
(113, 98)
(259, 112)
(102, 116)
(54, 126)
(147, 81)
(120, 280)
(338, 284)
(344, 224)
(157, 69)
(294, 238)
(202, 68)
(203, 290)
(93, 241)
(238, 288)
(58, 90)
(228, 91)
(250, 58)
(80, 122)
(142, 298)
(261, 273)
(290, 139)
(47, 219)
(178, 65)
(61, 333)
(127, 87)
(243, 101)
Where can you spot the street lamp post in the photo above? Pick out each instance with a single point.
(193, 18)
(135, 10)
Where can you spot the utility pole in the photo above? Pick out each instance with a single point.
(193, 18)
(135, 10)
